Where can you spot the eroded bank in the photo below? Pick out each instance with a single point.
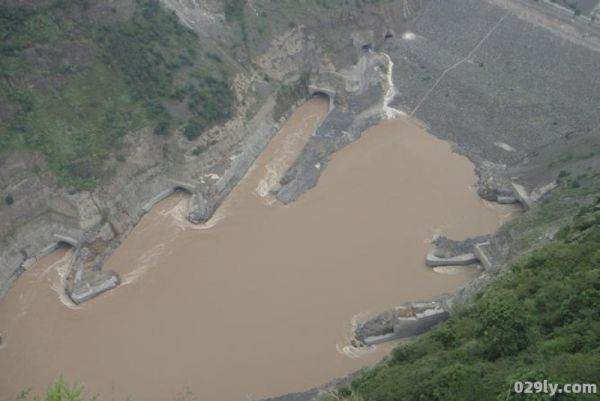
(259, 301)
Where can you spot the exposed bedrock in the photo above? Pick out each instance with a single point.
(447, 252)
(495, 89)
(484, 88)
(452, 247)
(44, 215)
(503, 103)
(356, 110)
(96, 223)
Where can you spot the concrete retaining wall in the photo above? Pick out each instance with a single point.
(407, 320)
(404, 327)
(91, 287)
(520, 193)
(459, 260)
(480, 252)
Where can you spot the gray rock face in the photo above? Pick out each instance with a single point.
(496, 90)
(484, 88)
(200, 210)
(341, 127)
(43, 215)
(448, 252)
(452, 248)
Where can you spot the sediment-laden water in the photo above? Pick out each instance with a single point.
(259, 301)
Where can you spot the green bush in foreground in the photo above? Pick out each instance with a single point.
(57, 391)
(61, 391)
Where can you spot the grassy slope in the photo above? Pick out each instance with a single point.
(540, 320)
(73, 84)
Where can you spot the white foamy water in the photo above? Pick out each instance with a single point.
(146, 261)
(59, 272)
(453, 270)
(179, 210)
(389, 111)
(346, 348)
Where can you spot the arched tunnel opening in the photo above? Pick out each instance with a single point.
(185, 190)
(182, 190)
(321, 95)
(64, 245)
(327, 94)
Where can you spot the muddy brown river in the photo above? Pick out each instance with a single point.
(260, 301)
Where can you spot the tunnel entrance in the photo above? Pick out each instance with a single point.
(53, 252)
(63, 245)
(328, 93)
(320, 94)
(180, 188)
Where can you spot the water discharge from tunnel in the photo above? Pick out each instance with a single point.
(259, 302)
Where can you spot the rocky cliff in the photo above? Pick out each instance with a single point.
(480, 74)
(39, 214)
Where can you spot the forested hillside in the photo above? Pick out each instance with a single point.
(539, 321)
(76, 76)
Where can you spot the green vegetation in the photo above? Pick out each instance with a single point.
(61, 391)
(234, 10)
(234, 14)
(573, 157)
(57, 391)
(556, 210)
(75, 80)
(288, 94)
(540, 320)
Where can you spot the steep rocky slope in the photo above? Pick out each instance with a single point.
(40, 208)
(483, 75)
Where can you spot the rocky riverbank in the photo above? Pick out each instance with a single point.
(524, 117)
(43, 215)
(504, 105)
(481, 88)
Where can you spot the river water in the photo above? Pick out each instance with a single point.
(261, 300)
